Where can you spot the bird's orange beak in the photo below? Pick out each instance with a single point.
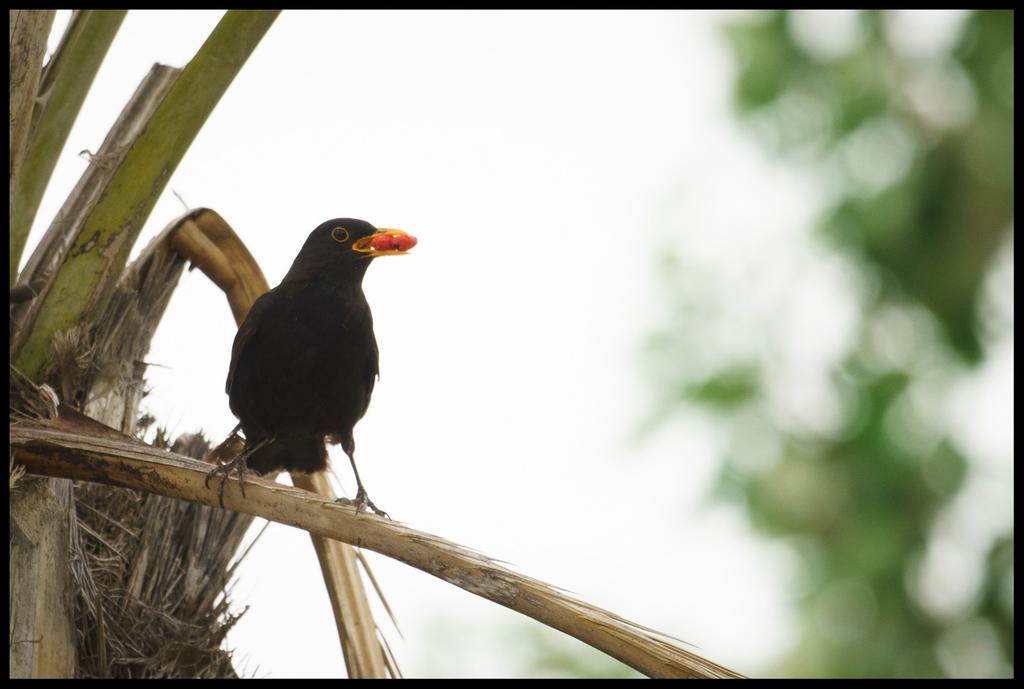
(385, 242)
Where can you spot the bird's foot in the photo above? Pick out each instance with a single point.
(238, 465)
(363, 501)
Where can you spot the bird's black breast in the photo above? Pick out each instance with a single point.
(303, 362)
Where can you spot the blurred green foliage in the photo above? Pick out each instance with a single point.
(912, 136)
(922, 146)
(913, 142)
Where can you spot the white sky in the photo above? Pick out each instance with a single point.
(543, 160)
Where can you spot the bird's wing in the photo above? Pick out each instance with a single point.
(245, 333)
(372, 371)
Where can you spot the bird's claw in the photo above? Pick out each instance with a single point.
(238, 465)
(362, 502)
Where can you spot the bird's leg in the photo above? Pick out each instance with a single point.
(362, 500)
(238, 465)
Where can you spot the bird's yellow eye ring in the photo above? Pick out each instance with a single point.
(339, 234)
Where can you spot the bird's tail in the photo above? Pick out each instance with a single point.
(230, 448)
(306, 454)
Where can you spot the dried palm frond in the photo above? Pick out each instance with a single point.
(62, 450)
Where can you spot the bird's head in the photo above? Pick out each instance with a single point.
(343, 242)
(360, 239)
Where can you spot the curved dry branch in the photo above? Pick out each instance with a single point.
(213, 247)
(76, 447)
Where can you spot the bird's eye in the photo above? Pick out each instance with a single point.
(340, 235)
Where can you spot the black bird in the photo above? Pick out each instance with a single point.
(304, 361)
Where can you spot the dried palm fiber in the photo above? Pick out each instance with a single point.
(150, 572)
(152, 575)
